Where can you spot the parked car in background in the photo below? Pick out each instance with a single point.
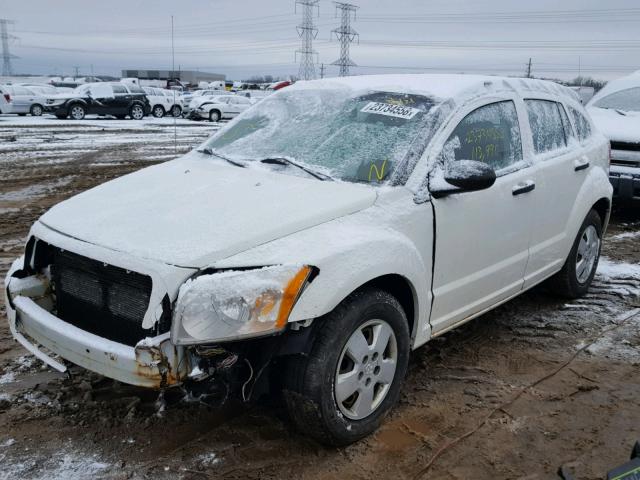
(188, 97)
(585, 93)
(175, 100)
(5, 101)
(215, 108)
(396, 209)
(25, 101)
(161, 104)
(41, 88)
(103, 98)
(615, 110)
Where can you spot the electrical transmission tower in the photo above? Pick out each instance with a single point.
(308, 32)
(6, 55)
(346, 35)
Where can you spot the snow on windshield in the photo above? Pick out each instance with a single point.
(626, 100)
(360, 137)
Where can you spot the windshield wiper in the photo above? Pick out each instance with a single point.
(620, 112)
(210, 151)
(287, 161)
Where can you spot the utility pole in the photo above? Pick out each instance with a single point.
(529, 69)
(77, 70)
(307, 32)
(346, 35)
(7, 70)
(322, 71)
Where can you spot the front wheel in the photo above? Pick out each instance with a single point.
(574, 279)
(77, 112)
(214, 116)
(176, 111)
(137, 112)
(342, 390)
(158, 111)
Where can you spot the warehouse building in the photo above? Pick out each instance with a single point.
(185, 76)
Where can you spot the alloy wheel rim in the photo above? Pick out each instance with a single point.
(136, 113)
(158, 112)
(366, 369)
(37, 111)
(587, 254)
(77, 112)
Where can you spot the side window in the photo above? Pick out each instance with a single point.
(489, 134)
(546, 125)
(582, 124)
(118, 89)
(566, 124)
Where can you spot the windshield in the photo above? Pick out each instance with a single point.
(626, 100)
(359, 137)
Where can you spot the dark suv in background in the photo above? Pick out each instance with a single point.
(101, 98)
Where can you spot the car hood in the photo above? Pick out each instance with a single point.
(198, 209)
(617, 127)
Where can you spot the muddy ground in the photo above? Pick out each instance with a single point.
(534, 385)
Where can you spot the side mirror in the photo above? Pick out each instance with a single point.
(466, 176)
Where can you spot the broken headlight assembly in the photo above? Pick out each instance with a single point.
(237, 304)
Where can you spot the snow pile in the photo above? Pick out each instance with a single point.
(63, 464)
(614, 270)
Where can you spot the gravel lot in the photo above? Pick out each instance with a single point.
(536, 384)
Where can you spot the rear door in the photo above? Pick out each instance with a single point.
(482, 238)
(121, 101)
(22, 99)
(564, 164)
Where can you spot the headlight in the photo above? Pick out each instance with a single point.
(236, 304)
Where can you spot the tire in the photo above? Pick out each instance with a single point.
(158, 111)
(36, 110)
(214, 116)
(176, 111)
(77, 112)
(136, 112)
(311, 392)
(574, 279)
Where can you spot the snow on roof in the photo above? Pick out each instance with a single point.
(622, 83)
(441, 86)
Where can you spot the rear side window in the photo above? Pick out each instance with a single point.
(489, 134)
(583, 126)
(135, 89)
(119, 89)
(546, 125)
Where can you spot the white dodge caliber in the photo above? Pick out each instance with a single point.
(314, 241)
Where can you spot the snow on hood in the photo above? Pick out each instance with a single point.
(617, 127)
(197, 210)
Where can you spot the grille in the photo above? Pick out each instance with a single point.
(102, 299)
(635, 147)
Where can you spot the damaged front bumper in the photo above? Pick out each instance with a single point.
(152, 363)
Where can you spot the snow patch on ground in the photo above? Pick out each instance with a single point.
(624, 236)
(611, 270)
(8, 377)
(34, 190)
(64, 464)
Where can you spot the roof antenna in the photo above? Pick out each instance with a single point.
(173, 72)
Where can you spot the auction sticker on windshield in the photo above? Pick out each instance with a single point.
(390, 110)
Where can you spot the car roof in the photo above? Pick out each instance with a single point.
(442, 86)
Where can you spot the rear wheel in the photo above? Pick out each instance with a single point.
(77, 112)
(36, 110)
(342, 390)
(214, 116)
(158, 111)
(176, 111)
(136, 112)
(574, 279)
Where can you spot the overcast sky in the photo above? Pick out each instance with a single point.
(245, 37)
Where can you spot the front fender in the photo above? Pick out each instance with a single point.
(351, 251)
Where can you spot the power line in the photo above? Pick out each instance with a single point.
(346, 35)
(308, 32)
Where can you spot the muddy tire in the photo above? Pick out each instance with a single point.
(36, 110)
(350, 380)
(214, 116)
(574, 279)
(158, 111)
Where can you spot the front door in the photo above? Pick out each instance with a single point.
(482, 238)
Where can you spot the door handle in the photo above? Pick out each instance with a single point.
(581, 164)
(523, 187)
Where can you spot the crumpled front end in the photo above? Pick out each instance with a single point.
(153, 362)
